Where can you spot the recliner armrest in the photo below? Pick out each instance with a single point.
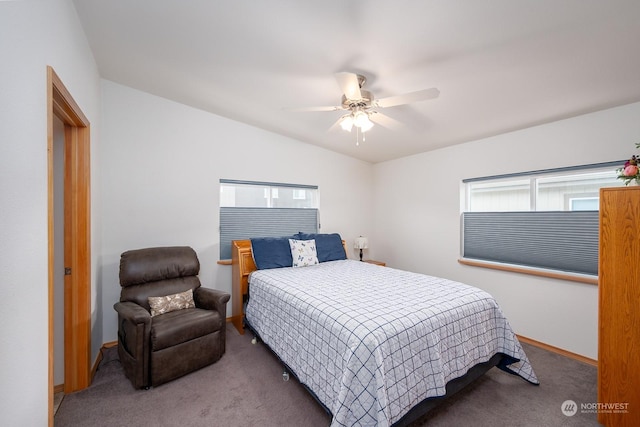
(133, 312)
(212, 299)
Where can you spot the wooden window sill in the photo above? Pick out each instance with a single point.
(572, 277)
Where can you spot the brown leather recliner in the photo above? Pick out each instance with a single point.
(160, 348)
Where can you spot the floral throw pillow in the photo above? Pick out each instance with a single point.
(303, 252)
(161, 305)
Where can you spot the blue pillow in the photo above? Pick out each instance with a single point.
(328, 246)
(271, 252)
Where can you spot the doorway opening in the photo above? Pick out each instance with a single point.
(77, 237)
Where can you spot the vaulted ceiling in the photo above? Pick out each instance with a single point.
(500, 65)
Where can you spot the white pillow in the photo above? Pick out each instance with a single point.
(303, 252)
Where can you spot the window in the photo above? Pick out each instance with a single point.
(543, 219)
(299, 194)
(263, 209)
(584, 203)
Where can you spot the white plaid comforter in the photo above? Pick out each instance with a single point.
(371, 342)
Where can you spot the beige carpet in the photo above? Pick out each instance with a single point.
(245, 388)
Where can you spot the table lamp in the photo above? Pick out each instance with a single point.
(361, 243)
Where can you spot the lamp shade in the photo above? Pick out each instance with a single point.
(361, 120)
(346, 122)
(361, 243)
(366, 124)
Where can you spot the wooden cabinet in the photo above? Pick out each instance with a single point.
(373, 261)
(619, 307)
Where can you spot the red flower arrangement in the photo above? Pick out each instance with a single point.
(630, 171)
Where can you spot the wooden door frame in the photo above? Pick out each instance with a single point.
(77, 237)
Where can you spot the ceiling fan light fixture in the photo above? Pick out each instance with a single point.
(368, 124)
(361, 120)
(361, 105)
(346, 123)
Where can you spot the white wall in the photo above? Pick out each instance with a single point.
(417, 217)
(33, 34)
(162, 162)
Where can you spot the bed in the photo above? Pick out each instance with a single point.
(374, 345)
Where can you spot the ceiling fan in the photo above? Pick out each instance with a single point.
(361, 106)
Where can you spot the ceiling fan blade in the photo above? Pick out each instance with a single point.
(407, 98)
(306, 109)
(384, 120)
(349, 85)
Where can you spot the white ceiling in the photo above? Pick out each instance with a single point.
(500, 65)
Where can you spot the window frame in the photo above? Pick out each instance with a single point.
(264, 220)
(533, 177)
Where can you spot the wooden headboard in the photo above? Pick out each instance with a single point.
(241, 266)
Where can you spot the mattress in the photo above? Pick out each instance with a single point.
(371, 342)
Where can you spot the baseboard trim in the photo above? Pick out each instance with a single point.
(60, 387)
(94, 368)
(559, 351)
